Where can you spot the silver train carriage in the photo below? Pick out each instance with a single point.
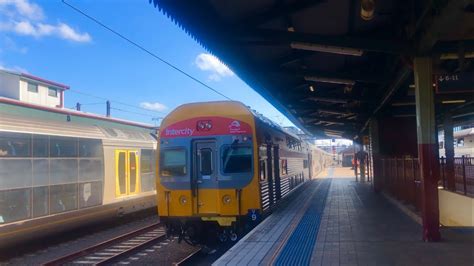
(61, 169)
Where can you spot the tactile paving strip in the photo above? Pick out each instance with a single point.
(300, 245)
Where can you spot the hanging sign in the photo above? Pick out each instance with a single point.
(449, 83)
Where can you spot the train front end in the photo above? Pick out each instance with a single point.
(206, 170)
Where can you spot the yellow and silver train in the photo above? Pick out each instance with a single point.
(61, 169)
(223, 166)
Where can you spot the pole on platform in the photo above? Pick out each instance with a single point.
(449, 150)
(374, 144)
(426, 133)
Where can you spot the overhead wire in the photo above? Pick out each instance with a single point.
(145, 50)
(113, 101)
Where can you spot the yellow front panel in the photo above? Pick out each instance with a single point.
(169, 203)
(232, 207)
(207, 201)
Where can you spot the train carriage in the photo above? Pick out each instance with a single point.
(61, 169)
(223, 165)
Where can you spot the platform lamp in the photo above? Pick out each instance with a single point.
(367, 9)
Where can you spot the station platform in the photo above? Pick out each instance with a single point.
(336, 221)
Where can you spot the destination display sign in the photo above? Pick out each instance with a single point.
(206, 126)
(449, 83)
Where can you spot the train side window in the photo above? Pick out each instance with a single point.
(173, 162)
(15, 205)
(147, 175)
(90, 194)
(63, 147)
(460, 142)
(90, 170)
(63, 198)
(263, 170)
(15, 144)
(40, 146)
(206, 162)
(63, 171)
(40, 201)
(90, 148)
(284, 167)
(237, 159)
(15, 173)
(40, 172)
(146, 161)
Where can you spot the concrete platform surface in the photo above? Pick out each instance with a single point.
(355, 227)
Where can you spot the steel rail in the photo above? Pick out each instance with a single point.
(103, 245)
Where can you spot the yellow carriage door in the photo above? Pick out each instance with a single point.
(126, 173)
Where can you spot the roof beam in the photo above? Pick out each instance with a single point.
(278, 37)
(439, 25)
(278, 11)
(335, 75)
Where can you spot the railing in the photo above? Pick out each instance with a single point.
(463, 175)
(401, 177)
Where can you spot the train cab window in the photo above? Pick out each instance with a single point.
(173, 162)
(15, 144)
(205, 162)
(460, 142)
(63, 147)
(237, 159)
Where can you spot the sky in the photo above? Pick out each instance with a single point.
(50, 40)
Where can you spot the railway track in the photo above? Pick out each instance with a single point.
(114, 249)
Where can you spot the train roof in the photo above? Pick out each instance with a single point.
(464, 132)
(21, 116)
(233, 108)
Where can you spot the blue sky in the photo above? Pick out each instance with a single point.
(50, 40)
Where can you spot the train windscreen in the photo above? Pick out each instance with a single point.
(173, 162)
(237, 159)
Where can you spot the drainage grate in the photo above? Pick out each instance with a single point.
(300, 245)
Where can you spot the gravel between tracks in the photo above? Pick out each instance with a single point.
(75, 240)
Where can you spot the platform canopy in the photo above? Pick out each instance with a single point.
(330, 66)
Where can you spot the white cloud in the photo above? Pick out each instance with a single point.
(22, 7)
(156, 106)
(210, 63)
(25, 18)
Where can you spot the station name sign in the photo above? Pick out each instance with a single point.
(449, 83)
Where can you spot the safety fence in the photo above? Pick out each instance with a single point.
(401, 177)
(463, 175)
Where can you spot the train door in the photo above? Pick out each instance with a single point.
(204, 179)
(126, 173)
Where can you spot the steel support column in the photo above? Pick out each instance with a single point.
(426, 133)
(374, 143)
(449, 150)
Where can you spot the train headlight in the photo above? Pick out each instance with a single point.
(183, 200)
(226, 199)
